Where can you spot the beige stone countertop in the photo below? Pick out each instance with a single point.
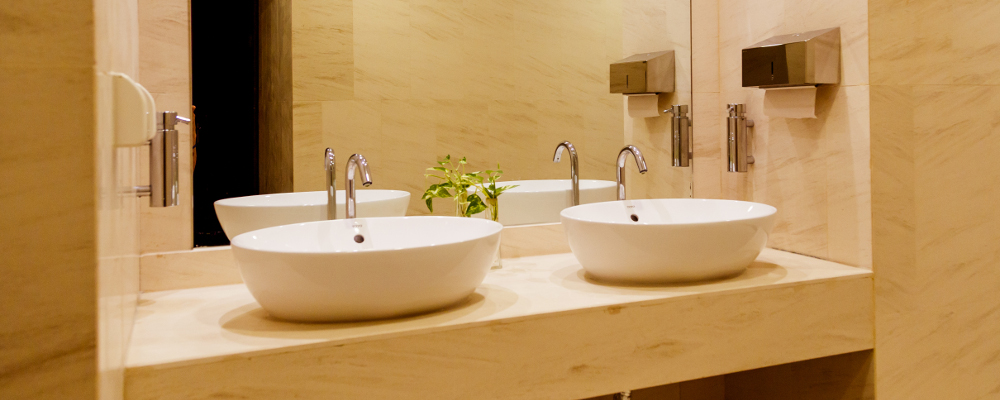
(202, 325)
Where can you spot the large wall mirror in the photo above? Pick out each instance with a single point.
(500, 83)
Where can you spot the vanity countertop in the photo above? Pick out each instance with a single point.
(539, 321)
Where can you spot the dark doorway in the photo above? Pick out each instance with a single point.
(225, 87)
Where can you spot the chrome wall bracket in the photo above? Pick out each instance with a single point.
(681, 127)
(739, 139)
(164, 174)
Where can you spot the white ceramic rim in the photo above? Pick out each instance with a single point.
(496, 228)
(600, 184)
(770, 211)
(237, 201)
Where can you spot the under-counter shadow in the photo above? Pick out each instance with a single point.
(252, 320)
(758, 274)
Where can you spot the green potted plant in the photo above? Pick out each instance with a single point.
(472, 192)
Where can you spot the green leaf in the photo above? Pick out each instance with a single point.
(476, 205)
(430, 204)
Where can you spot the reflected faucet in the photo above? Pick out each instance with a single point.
(639, 161)
(574, 167)
(356, 161)
(331, 184)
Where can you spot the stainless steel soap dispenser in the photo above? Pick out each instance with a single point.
(800, 59)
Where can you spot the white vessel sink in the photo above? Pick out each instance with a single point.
(541, 201)
(667, 240)
(361, 269)
(244, 214)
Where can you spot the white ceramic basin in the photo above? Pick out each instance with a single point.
(667, 240)
(244, 214)
(324, 271)
(541, 201)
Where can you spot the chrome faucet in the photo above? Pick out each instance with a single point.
(574, 167)
(355, 162)
(331, 184)
(639, 160)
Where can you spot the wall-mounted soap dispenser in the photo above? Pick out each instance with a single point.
(640, 78)
(681, 143)
(738, 139)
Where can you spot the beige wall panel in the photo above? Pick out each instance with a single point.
(322, 56)
(815, 171)
(649, 26)
(307, 147)
(934, 42)
(497, 82)
(165, 70)
(117, 234)
(936, 242)
(47, 33)
(708, 165)
(49, 246)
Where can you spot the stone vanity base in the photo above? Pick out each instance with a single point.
(537, 329)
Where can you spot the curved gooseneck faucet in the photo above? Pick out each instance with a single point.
(331, 183)
(574, 167)
(639, 161)
(357, 161)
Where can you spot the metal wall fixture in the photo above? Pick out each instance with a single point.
(330, 165)
(800, 59)
(681, 127)
(574, 167)
(739, 139)
(357, 162)
(163, 189)
(640, 162)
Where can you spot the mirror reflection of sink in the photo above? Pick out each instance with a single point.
(244, 214)
(667, 240)
(540, 201)
(362, 269)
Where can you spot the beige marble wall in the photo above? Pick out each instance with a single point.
(935, 136)
(48, 326)
(404, 82)
(118, 168)
(164, 68)
(648, 26)
(70, 265)
(815, 171)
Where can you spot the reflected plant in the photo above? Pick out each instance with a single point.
(488, 186)
(455, 184)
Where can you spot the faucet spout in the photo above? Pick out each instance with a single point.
(331, 183)
(355, 163)
(640, 161)
(574, 167)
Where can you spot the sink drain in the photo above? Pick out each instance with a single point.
(635, 218)
(359, 238)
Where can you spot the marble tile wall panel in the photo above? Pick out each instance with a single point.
(164, 68)
(49, 265)
(707, 121)
(118, 168)
(64, 278)
(650, 26)
(493, 81)
(936, 251)
(815, 171)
